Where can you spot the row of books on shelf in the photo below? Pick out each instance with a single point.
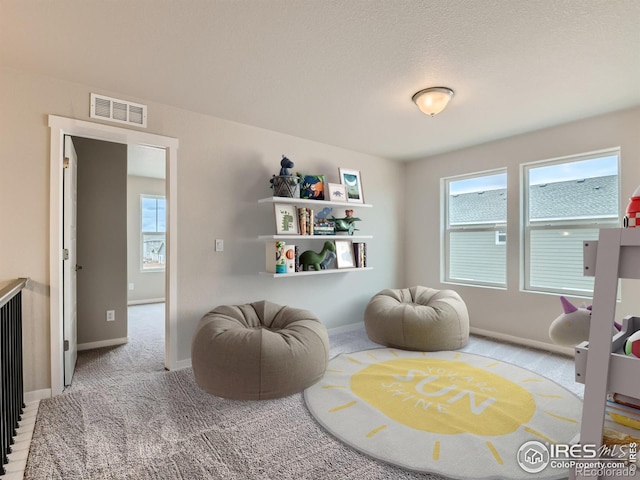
(282, 257)
(310, 225)
(621, 420)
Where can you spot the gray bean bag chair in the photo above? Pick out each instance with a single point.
(418, 318)
(258, 351)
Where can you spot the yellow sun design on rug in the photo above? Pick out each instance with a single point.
(458, 414)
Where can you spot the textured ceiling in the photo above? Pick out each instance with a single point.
(343, 72)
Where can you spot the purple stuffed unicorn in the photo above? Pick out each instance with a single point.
(572, 327)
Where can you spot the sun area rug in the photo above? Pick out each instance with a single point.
(457, 414)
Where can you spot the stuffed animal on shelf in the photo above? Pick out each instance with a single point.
(572, 327)
(285, 165)
(313, 259)
(632, 345)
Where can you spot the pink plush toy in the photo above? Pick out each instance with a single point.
(572, 327)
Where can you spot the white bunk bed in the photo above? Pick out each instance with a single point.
(600, 363)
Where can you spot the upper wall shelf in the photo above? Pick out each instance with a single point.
(313, 202)
(314, 237)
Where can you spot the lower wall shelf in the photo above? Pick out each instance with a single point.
(313, 272)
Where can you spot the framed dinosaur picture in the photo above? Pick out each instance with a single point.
(286, 219)
(337, 192)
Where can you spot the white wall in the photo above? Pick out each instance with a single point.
(149, 285)
(223, 169)
(512, 312)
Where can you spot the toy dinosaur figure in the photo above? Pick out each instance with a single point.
(329, 257)
(313, 259)
(285, 165)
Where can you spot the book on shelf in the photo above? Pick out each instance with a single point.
(625, 400)
(305, 216)
(360, 254)
(275, 257)
(622, 413)
(324, 228)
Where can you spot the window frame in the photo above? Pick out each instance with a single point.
(485, 226)
(526, 226)
(144, 269)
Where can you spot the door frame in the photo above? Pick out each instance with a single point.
(59, 127)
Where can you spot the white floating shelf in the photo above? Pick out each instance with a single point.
(314, 237)
(313, 272)
(313, 202)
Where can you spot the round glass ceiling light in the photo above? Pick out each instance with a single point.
(432, 101)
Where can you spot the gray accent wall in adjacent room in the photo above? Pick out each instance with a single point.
(102, 240)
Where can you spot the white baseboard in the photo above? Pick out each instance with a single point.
(144, 302)
(182, 364)
(103, 343)
(345, 328)
(524, 341)
(37, 395)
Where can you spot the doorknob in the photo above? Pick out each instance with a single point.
(78, 267)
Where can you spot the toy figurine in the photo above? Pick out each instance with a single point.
(285, 184)
(313, 259)
(285, 165)
(346, 225)
(633, 211)
(632, 345)
(572, 327)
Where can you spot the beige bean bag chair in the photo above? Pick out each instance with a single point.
(418, 318)
(258, 351)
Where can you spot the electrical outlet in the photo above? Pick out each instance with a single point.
(219, 245)
(111, 315)
(131, 286)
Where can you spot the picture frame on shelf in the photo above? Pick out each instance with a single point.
(337, 192)
(286, 219)
(352, 181)
(311, 186)
(344, 254)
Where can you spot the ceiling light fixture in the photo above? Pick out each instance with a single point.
(433, 100)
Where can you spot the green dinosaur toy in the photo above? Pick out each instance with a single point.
(313, 259)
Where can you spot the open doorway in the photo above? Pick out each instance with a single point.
(59, 128)
(146, 224)
(120, 259)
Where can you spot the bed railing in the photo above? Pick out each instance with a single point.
(11, 368)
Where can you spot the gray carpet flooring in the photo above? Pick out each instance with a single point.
(125, 417)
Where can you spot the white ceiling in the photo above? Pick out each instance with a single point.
(343, 72)
(144, 161)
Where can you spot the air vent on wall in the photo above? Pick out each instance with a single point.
(120, 111)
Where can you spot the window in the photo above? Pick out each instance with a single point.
(475, 229)
(566, 201)
(153, 232)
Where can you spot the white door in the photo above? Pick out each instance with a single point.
(70, 268)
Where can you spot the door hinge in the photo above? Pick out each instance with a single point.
(65, 163)
(66, 345)
(65, 254)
